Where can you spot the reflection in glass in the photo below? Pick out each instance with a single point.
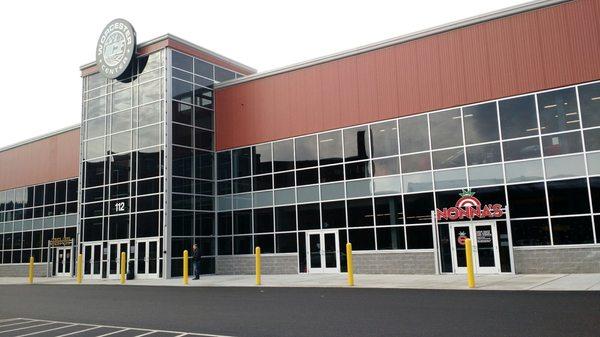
(330, 148)
(481, 123)
(565, 167)
(306, 151)
(384, 139)
(518, 117)
(283, 155)
(562, 143)
(415, 162)
(589, 100)
(558, 110)
(486, 175)
(483, 154)
(450, 178)
(446, 129)
(448, 158)
(356, 144)
(521, 149)
(414, 134)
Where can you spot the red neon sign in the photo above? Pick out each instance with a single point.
(469, 207)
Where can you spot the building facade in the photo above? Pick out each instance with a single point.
(487, 128)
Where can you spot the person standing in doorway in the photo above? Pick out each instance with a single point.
(196, 261)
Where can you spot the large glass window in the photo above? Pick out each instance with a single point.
(572, 230)
(414, 134)
(330, 148)
(283, 155)
(518, 117)
(589, 100)
(562, 143)
(242, 222)
(415, 162)
(356, 144)
(388, 211)
(483, 154)
(241, 162)
(521, 149)
(384, 139)
(527, 200)
(481, 123)
(530, 232)
(558, 110)
(263, 220)
(568, 197)
(334, 214)
(448, 158)
(446, 129)
(261, 159)
(418, 207)
(390, 238)
(285, 218)
(308, 217)
(306, 151)
(224, 165)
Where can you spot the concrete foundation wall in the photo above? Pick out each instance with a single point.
(557, 260)
(394, 263)
(22, 270)
(244, 265)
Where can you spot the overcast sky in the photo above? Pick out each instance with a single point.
(45, 42)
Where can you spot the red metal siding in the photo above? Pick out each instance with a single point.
(49, 159)
(536, 50)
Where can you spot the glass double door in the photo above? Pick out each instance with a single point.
(62, 257)
(147, 258)
(484, 241)
(92, 260)
(114, 257)
(322, 252)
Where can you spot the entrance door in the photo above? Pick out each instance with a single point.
(484, 239)
(146, 258)
(92, 260)
(322, 252)
(63, 261)
(114, 257)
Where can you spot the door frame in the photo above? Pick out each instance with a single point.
(108, 248)
(56, 257)
(158, 260)
(88, 260)
(495, 241)
(323, 269)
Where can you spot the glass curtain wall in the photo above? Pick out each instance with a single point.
(122, 154)
(33, 215)
(377, 183)
(193, 162)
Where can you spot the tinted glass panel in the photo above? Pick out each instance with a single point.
(358, 170)
(448, 158)
(261, 159)
(334, 214)
(308, 217)
(356, 143)
(572, 230)
(362, 239)
(388, 211)
(263, 220)
(562, 143)
(330, 148)
(390, 238)
(527, 200)
(481, 123)
(384, 139)
(283, 155)
(592, 139)
(418, 207)
(241, 162)
(419, 237)
(530, 232)
(224, 165)
(285, 218)
(415, 162)
(306, 151)
(284, 179)
(386, 166)
(568, 197)
(307, 177)
(521, 149)
(446, 129)
(558, 110)
(518, 117)
(589, 100)
(483, 154)
(414, 134)
(332, 173)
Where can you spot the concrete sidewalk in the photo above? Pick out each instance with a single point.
(483, 282)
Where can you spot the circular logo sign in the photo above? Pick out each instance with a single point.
(116, 48)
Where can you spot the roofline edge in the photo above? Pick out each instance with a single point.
(41, 137)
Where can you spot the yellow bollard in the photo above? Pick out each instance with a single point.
(470, 273)
(186, 267)
(349, 263)
(123, 265)
(258, 275)
(79, 268)
(31, 270)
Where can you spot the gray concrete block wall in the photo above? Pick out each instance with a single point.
(557, 260)
(394, 263)
(22, 270)
(245, 264)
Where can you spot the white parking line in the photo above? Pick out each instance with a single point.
(29, 321)
(112, 333)
(121, 329)
(60, 327)
(27, 327)
(79, 331)
(8, 320)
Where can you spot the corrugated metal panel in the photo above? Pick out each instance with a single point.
(48, 159)
(536, 50)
